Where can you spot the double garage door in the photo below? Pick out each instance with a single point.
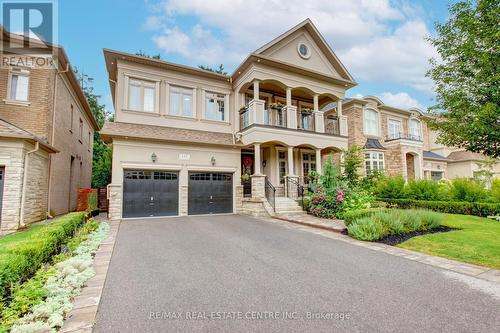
(156, 193)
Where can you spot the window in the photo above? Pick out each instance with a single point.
(371, 122)
(374, 161)
(308, 163)
(81, 130)
(19, 85)
(415, 130)
(71, 118)
(394, 129)
(303, 50)
(282, 166)
(181, 101)
(214, 106)
(436, 175)
(141, 95)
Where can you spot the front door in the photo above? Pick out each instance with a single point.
(308, 165)
(210, 193)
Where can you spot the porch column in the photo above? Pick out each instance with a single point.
(257, 159)
(288, 96)
(319, 121)
(318, 161)
(339, 108)
(290, 161)
(256, 89)
(342, 119)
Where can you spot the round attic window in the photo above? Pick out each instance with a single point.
(303, 50)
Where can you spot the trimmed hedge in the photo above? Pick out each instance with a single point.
(453, 207)
(22, 253)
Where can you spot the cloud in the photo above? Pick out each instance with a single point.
(400, 100)
(379, 41)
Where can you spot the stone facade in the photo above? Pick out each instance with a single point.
(12, 156)
(115, 201)
(183, 204)
(258, 186)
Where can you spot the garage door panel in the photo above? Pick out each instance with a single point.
(150, 193)
(210, 193)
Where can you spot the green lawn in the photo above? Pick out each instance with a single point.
(478, 243)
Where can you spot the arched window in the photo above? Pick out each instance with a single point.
(415, 130)
(371, 122)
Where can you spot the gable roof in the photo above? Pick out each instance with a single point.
(8, 130)
(320, 41)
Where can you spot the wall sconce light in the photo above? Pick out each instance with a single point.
(264, 162)
(212, 160)
(153, 157)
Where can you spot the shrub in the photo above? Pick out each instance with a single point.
(430, 220)
(391, 187)
(451, 207)
(495, 190)
(22, 253)
(351, 216)
(469, 190)
(425, 189)
(366, 229)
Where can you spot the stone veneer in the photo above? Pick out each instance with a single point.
(115, 201)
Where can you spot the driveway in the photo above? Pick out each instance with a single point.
(239, 274)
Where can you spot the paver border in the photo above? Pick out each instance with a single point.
(81, 318)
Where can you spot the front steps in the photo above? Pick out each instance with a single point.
(287, 206)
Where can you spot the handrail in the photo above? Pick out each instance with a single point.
(300, 189)
(399, 135)
(270, 191)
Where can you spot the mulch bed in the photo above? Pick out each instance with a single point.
(397, 239)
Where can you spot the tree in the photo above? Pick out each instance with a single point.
(467, 77)
(219, 70)
(101, 159)
(144, 54)
(353, 160)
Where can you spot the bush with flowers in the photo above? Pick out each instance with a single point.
(336, 193)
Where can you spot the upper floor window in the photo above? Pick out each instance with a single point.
(80, 130)
(415, 129)
(141, 95)
(215, 106)
(181, 101)
(19, 85)
(374, 160)
(71, 118)
(371, 122)
(394, 129)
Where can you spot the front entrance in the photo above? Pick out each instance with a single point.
(210, 193)
(410, 166)
(150, 193)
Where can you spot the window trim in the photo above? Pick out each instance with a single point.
(154, 83)
(398, 120)
(80, 130)
(278, 150)
(365, 110)
(204, 106)
(371, 160)
(193, 101)
(420, 129)
(20, 71)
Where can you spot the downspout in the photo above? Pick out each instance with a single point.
(53, 135)
(25, 176)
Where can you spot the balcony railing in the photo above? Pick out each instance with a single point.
(332, 125)
(275, 117)
(244, 118)
(305, 121)
(401, 136)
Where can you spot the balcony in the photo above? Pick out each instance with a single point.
(402, 136)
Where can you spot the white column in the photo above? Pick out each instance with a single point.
(339, 108)
(318, 161)
(319, 121)
(290, 161)
(315, 102)
(257, 159)
(256, 89)
(288, 96)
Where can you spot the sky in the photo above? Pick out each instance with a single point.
(381, 42)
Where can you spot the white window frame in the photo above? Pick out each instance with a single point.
(374, 162)
(399, 133)
(419, 128)
(19, 72)
(281, 181)
(143, 82)
(226, 105)
(377, 125)
(182, 90)
(310, 153)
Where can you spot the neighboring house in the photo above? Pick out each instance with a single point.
(188, 141)
(46, 138)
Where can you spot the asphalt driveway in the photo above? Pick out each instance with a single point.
(239, 274)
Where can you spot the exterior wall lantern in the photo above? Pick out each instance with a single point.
(264, 162)
(212, 161)
(153, 157)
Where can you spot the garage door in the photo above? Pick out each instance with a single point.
(210, 193)
(150, 193)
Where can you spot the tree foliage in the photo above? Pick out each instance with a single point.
(219, 70)
(467, 77)
(353, 161)
(144, 54)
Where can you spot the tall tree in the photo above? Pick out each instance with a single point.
(101, 159)
(467, 77)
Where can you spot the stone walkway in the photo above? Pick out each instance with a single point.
(309, 225)
(313, 221)
(81, 318)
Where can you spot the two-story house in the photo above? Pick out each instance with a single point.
(184, 137)
(46, 137)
